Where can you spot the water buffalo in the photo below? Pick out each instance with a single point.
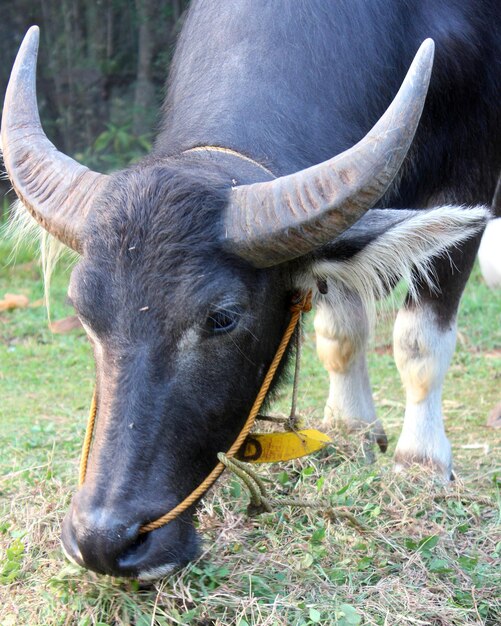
(189, 258)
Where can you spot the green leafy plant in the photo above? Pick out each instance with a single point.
(115, 148)
(12, 563)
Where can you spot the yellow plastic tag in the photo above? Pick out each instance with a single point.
(275, 447)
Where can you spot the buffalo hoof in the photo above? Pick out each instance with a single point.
(494, 419)
(425, 466)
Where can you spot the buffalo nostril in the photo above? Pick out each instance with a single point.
(131, 555)
(108, 542)
(103, 548)
(97, 539)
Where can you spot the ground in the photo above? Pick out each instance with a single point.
(384, 549)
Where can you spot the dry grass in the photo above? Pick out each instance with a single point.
(427, 554)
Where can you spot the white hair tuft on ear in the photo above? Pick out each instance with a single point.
(404, 251)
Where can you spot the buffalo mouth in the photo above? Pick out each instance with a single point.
(122, 551)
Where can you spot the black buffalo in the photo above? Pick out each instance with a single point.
(189, 258)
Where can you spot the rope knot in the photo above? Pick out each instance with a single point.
(301, 303)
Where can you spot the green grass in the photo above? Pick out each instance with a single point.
(391, 550)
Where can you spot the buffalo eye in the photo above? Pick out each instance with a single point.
(223, 320)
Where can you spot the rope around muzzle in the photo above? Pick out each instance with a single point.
(298, 306)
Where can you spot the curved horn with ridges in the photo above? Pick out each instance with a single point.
(271, 222)
(55, 189)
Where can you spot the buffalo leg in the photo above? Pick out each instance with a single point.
(424, 342)
(342, 331)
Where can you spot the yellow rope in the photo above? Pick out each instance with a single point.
(233, 153)
(88, 439)
(297, 309)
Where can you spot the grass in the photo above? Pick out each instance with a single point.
(389, 550)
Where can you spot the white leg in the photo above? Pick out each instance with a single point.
(423, 350)
(342, 331)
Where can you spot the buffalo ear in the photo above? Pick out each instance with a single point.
(56, 190)
(385, 245)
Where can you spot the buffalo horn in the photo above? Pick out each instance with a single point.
(271, 222)
(55, 189)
